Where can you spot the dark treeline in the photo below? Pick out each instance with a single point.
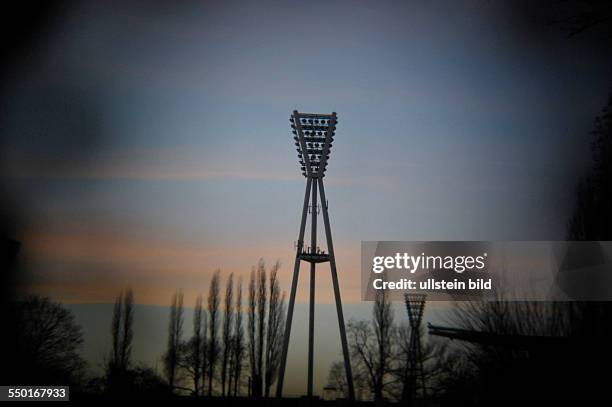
(380, 357)
(218, 359)
(567, 366)
(215, 358)
(45, 345)
(232, 350)
(563, 364)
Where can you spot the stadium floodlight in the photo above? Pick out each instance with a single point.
(313, 135)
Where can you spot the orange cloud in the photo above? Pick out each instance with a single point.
(82, 267)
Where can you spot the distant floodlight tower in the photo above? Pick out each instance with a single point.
(313, 135)
(415, 305)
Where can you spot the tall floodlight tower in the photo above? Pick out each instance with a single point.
(313, 135)
(415, 305)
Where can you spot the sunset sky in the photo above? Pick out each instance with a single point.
(149, 146)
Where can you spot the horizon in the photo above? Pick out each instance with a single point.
(153, 324)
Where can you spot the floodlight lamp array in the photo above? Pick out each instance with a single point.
(415, 305)
(313, 135)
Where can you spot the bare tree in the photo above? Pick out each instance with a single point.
(204, 365)
(116, 333)
(191, 352)
(227, 331)
(213, 325)
(197, 345)
(264, 328)
(383, 329)
(175, 331)
(252, 329)
(506, 363)
(238, 343)
(128, 331)
(403, 370)
(122, 333)
(336, 379)
(371, 345)
(48, 341)
(363, 350)
(261, 326)
(591, 218)
(274, 334)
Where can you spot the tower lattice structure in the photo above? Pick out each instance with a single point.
(415, 305)
(313, 134)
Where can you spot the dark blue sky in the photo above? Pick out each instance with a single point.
(151, 145)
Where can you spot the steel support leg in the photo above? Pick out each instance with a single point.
(332, 264)
(313, 248)
(294, 281)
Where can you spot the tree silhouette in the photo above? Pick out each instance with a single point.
(251, 329)
(227, 331)
(48, 340)
(266, 317)
(576, 333)
(371, 345)
(592, 218)
(274, 338)
(238, 343)
(116, 332)
(336, 379)
(122, 333)
(193, 350)
(197, 344)
(205, 359)
(213, 325)
(261, 326)
(128, 331)
(592, 221)
(175, 332)
(204, 365)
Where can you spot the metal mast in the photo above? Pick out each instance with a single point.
(313, 135)
(415, 305)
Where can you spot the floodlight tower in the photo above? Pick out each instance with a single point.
(415, 305)
(313, 135)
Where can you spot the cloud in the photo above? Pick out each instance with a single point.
(163, 164)
(93, 266)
